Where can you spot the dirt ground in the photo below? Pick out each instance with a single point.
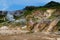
(30, 36)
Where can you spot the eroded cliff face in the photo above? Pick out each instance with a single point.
(44, 21)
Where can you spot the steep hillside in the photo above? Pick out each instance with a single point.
(52, 4)
(45, 18)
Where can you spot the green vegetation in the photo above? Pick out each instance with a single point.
(58, 24)
(2, 18)
(52, 4)
(27, 12)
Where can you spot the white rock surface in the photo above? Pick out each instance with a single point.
(4, 28)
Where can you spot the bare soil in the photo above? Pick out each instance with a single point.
(30, 36)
